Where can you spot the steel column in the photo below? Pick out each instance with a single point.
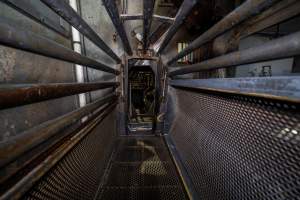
(283, 47)
(113, 12)
(66, 12)
(21, 94)
(246, 10)
(15, 146)
(148, 7)
(29, 41)
(183, 12)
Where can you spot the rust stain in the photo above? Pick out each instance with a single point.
(7, 63)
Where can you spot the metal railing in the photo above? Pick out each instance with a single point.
(183, 12)
(280, 48)
(48, 139)
(250, 17)
(28, 180)
(12, 95)
(250, 12)
(66, 12)
(113, 12)
(148, 7)
(17, 145)
(243, 12)
(29, 41)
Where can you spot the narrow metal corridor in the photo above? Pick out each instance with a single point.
(141, 168)
(150, 99)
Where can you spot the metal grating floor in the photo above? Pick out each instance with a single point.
(141, 168)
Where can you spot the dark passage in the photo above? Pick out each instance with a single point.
(141, 168)
(150, 100)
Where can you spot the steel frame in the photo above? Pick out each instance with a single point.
(283, 47)
(148, 7)
(16, 146)
(28, 8)
(113, 12)
(183, 12)
(243, 12)
(63, 9)
(29, 41)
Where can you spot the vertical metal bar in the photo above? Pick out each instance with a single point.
(246, 10)
(113, 12)
(183, 12)
(63, 9)
(148, 13)
(77, 48)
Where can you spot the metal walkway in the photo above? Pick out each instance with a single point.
(141, 168)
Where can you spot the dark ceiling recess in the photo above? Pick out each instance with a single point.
(205, 14)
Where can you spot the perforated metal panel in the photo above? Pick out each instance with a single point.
(78, 174)
(237, 147)
(141, 169)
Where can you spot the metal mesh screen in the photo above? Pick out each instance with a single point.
(148, 173)
(237, 147)
(78, 174)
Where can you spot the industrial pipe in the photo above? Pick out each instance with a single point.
(67, 13)
(131, 17)
(29, 158)
(246, 10)
(148, 7)
(157, 33)
(76, 41)
(283, 47)
(29, 41)
(21, 143)
(163, 19)
(183, 12)
(22, 186)
(12, 95)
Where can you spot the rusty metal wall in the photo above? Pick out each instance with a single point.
(19, 67)
(78, 174)
(94, 13)
(236, 147)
